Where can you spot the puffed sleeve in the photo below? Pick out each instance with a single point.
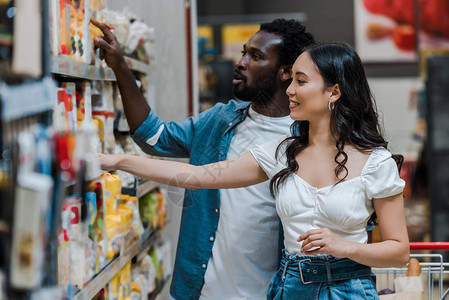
(265, 156)
(381, 175)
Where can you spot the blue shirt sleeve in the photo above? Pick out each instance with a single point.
(176, 138)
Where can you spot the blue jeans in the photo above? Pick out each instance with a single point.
(321, 277)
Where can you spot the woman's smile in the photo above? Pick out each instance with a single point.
(293, 104)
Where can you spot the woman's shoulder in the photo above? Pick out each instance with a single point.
(380, 158)
(381, 175)
(366, 160)
(380, 154)
(273, 148)
(270, 156)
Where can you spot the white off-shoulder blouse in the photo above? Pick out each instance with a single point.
(343, 208)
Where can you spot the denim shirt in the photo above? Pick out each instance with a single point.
(205, 139)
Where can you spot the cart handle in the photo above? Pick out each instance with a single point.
(429, 246)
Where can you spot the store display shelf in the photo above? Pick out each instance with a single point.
(19, 101)
(137, 65)
(66, 66)
(148, 241)
(105, 276)
(145, 187)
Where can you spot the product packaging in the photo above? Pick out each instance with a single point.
(54, 29)
(65, 38)
(70, 100)
(32, 198)
(136, 225)
(91, 244)
(86, 147)
(114, 286)
(97, 228)
(125, 282)
(112, 218)
(71, 216)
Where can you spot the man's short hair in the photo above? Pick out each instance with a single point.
(294, 38)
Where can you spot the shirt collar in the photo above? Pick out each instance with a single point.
(241, 106)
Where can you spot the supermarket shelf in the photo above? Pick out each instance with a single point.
(68, 67)
(146, 187)
(26, 99)
(137, 65)
(105, 276)
(148, 241)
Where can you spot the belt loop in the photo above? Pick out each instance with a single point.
(285, 269)
(328, 270)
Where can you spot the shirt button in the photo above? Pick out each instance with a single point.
(211, 238)
(204, 266)
(216, 210)
(230, 124)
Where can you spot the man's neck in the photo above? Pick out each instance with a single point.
(276, 108)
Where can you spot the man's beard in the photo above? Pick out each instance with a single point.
(261, 92)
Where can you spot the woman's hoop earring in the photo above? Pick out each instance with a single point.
(331, 105)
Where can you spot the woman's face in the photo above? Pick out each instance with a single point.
(308, 98)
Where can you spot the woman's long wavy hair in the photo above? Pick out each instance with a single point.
(354, 119)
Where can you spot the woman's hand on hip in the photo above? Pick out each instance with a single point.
(323, 240)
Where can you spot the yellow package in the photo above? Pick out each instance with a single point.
(114, 286)
(113, 188)
(113, 234)
(125, 281)
(136, 224)
(99, 122)
(122, 214)
(126, 213)
(95, 7)
(136, 288)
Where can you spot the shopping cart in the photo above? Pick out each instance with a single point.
(433, 270)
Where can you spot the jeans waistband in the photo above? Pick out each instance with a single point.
(323, 268)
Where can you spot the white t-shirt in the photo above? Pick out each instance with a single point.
(343, 208)
(245, 252)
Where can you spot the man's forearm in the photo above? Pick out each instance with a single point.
(135, 106)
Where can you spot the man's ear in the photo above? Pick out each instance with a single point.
(285, 72)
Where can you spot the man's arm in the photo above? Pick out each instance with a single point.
(135, 106)
(171, 139)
